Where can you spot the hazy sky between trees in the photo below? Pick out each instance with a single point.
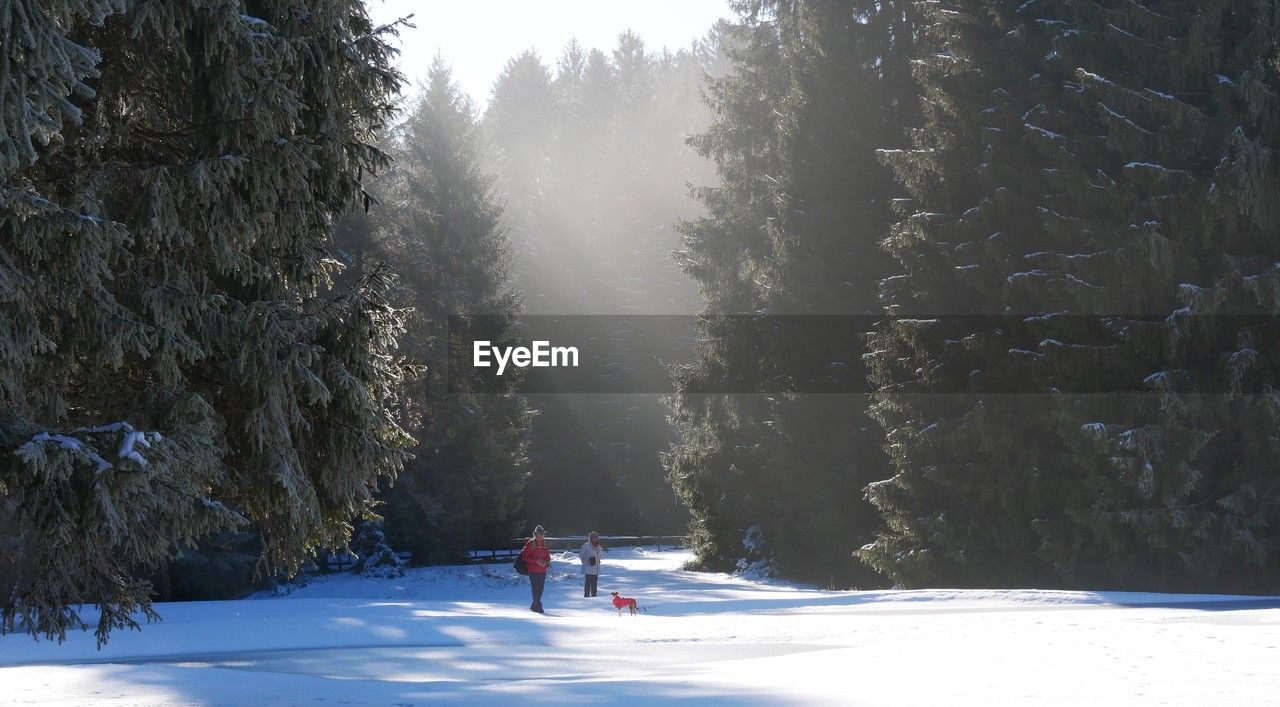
(479, 36)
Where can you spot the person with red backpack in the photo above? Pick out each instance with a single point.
(537, 559)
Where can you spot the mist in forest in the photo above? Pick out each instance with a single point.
(591, 160)
(561, 198)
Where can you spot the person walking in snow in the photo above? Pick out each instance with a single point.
(537, 559)
(591, 554)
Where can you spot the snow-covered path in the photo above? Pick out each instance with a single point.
(464, 635)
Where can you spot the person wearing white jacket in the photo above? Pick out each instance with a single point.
(591, 555)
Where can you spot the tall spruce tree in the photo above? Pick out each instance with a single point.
(1168, 174)
(519, 123)
(174, 358)
(793, 231)
(439, 223)
(972, 447)
(1097, 174)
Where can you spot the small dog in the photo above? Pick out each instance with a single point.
(624, 603)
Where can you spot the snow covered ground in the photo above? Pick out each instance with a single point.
(452, 635)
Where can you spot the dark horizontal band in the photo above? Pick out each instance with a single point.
(1181, 353)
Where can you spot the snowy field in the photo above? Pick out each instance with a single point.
(464, 635)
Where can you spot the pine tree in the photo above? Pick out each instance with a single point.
(519, 121)
(374, 557)
(1167, 173)
(793, 231)
(1090, 175)
(970, 443)
(439, 222)
(519, 124)
(725, 445)
(174, 357)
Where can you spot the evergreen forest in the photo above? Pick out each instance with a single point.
(970, 293)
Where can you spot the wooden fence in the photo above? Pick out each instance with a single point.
(508, 552)
(331, 562)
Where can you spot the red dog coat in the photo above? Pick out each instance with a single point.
(623, 602)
